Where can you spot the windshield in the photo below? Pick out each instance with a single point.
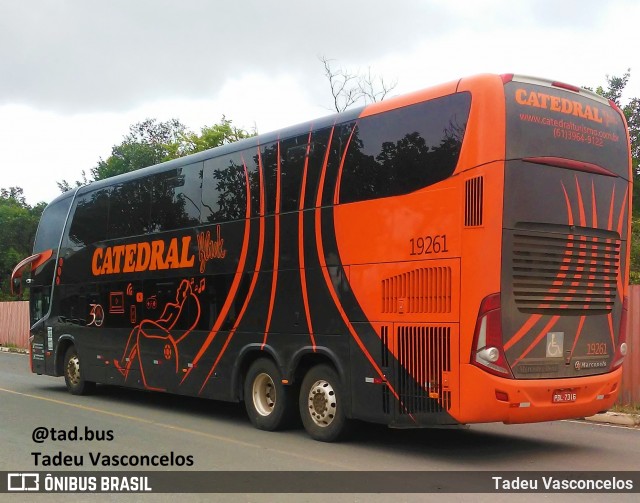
(51, 225)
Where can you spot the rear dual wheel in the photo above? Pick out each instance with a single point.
(272, 406)
(322, 407)
(269, 403)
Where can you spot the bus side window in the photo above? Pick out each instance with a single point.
(163, 217)
(293, 152)
(341, 137)
(129, 209)
(404, 150)
(315, 166)
(269, 154)
(224, 190)
(249, 159)
(187, 193)
(176, 198)
(89, 224)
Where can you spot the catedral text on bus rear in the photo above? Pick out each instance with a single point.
(558, 104)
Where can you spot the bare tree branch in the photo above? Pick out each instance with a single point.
(349, 88)
(374, 88)
(344, 86)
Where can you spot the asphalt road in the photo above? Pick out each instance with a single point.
(218, 436)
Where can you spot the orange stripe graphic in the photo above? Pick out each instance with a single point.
(620, 222)
(234, 286)
(329, 282)
(254, 278)
(276, 251)
(303, 274)
(545, 330)
(533, 319)
(561, 276)
(336, 194)
(613, 340)
(323, 173)
(566, 198)
(583, 218)
(578, 333)
(613, 198)
(594, 207)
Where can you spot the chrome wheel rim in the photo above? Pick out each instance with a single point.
(322, 403)
(73, 370)
(264, 394)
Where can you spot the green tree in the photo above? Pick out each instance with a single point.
(219, 134)
(18, 222)
(151, 142)
(614, 91)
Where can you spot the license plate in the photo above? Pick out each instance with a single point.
(564, 396)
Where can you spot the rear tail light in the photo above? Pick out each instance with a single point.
(621, 350)
(487, 350)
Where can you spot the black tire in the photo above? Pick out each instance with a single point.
(322, 407)
(270, 404)
(73, 378)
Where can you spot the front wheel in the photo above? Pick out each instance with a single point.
(76, 384)
(269, 403)
(322, 405)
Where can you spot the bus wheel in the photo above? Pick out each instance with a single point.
(322, 405)
(73, 376)
(269, 403)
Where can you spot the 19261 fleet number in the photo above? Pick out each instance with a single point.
(428, 245)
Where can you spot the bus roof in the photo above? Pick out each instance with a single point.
(324, 122)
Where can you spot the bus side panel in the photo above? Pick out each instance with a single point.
(405, 277)
(484, 140)
(481, 248)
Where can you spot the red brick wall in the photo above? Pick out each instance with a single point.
(14, 324)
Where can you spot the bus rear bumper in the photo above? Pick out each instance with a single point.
(488, 398)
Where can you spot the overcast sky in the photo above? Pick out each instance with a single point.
(75, 74)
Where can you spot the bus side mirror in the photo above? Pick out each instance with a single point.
(28, 265)
(34, 261)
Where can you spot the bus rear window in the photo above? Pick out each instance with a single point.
(547, 121)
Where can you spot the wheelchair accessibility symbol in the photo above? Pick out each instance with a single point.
(555, 344)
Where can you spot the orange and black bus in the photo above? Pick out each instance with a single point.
(456, 255)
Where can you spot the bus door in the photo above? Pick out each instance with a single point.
(46, 269)
(40, 300)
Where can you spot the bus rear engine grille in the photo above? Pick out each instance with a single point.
(565, 273)
(424, 353)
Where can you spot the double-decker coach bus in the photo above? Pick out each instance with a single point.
(456, 255)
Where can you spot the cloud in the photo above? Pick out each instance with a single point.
(89, 55)
(75, 74)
